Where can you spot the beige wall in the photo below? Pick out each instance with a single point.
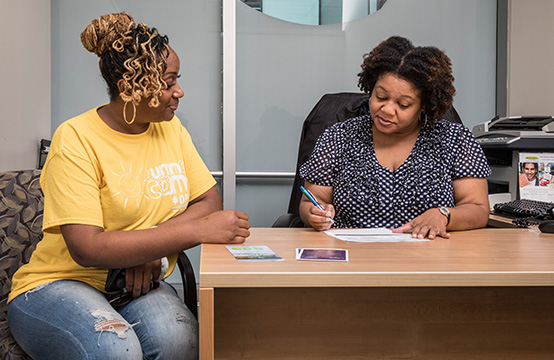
(530, 57)
(25, 85)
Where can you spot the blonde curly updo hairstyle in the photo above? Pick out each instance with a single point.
(135, 53)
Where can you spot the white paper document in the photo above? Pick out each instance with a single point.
(371, 235)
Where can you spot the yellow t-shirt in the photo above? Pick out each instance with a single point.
(95, 175)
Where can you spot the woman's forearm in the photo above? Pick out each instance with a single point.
(205, 204)
(468, 216)
(201, 222)
(90, 246)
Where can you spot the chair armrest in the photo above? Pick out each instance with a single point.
(189, 283)
(288, 220)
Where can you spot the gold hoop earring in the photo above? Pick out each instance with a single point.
(134, 112)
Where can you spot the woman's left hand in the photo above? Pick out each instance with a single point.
(140, 279)
(471, 211)
(430, 224)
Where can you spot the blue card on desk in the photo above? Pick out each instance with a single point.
(322, 254)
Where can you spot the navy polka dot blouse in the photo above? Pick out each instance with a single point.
(366, 194)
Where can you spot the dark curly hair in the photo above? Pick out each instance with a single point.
(136, 54)
(427, 68)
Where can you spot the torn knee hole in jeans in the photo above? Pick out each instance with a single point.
(110, 322)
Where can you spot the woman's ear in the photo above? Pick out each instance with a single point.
(121, 86)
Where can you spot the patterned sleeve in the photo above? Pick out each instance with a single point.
(469, 158)
(319, 169)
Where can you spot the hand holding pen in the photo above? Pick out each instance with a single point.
(314, 201)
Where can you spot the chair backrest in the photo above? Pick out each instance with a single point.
(21, 209)
(330, 109)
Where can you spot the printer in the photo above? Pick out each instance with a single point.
(503, 139)
(517, 132)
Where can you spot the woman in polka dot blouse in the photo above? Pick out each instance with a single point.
(402, 166)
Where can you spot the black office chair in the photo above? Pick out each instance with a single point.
(330, 109)
(189, 283)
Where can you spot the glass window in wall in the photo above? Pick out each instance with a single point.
(284, 68)
(316, 12)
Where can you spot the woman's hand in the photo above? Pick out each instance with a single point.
(430, 224)
(226, 226)
(471, 211)
(142, 278)
(320, 219)
(310, 214)
(213, 224)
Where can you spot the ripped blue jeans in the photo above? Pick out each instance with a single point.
(68, 319)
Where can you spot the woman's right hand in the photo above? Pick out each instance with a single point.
(225, 226)
(320, 219)
(310, 214)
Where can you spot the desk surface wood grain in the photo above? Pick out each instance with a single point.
(483, 257)
(482, 294)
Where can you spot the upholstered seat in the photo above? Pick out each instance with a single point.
(21, 209)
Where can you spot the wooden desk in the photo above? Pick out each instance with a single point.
(486, 294)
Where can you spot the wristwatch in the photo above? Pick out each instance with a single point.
(443, 210)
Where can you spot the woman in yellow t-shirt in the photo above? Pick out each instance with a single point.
(124, 188)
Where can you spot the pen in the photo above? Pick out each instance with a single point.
(312, 198)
